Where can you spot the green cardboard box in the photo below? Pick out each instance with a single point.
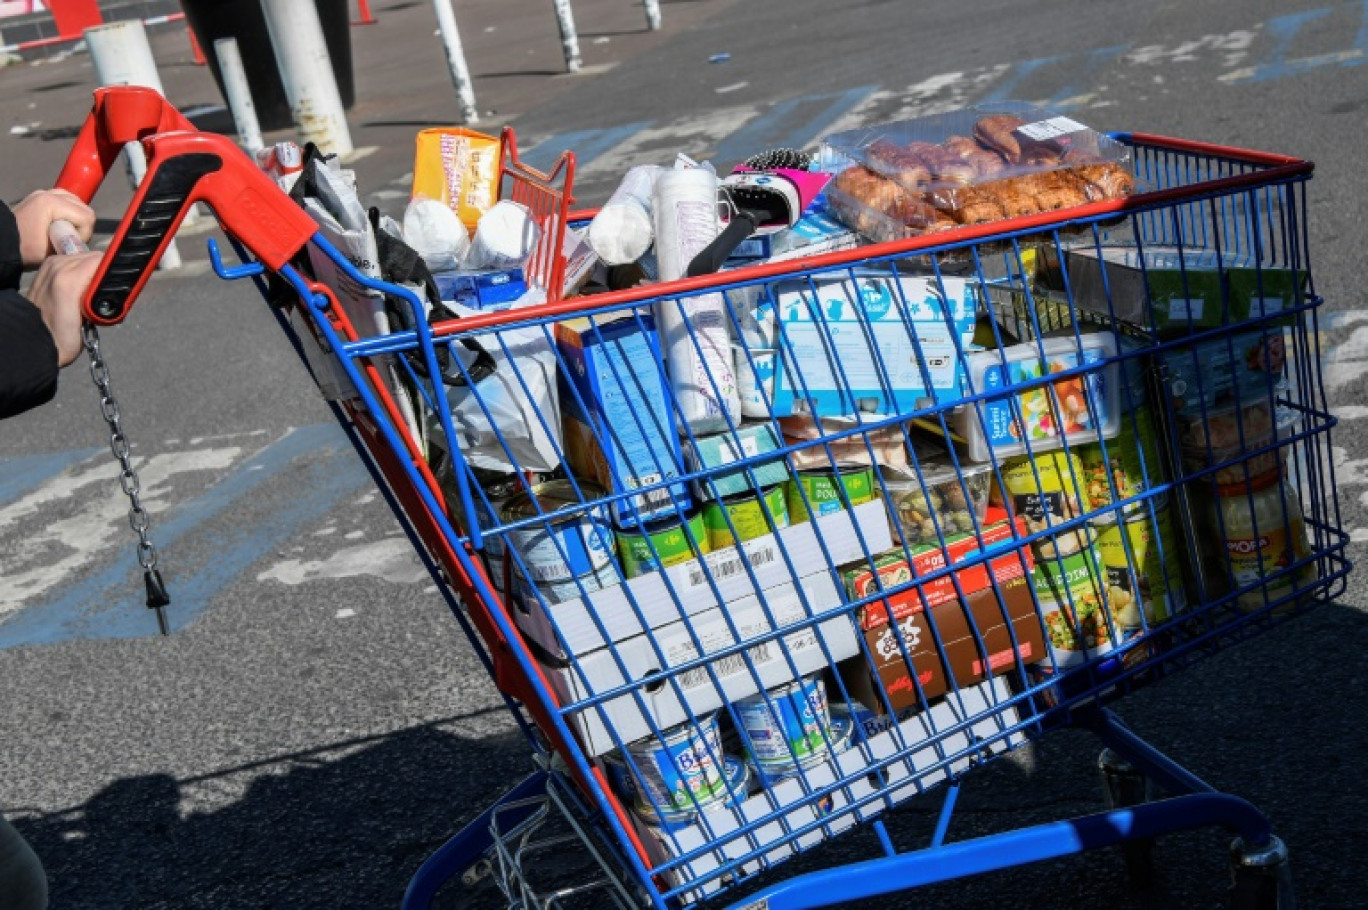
(1186, 287)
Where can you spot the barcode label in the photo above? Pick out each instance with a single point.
(652, 498)
(732, 565)
(726, 666)
(1050, 129)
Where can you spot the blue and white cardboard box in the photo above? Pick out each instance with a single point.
(862, 341)
(612, 390)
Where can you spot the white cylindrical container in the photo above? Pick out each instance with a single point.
(239, 94)
(693, 330)
(504, 237)
(307, 74)
(622, 232)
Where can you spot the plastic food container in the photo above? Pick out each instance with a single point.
(972, 166)
(1225, 437)
(917, 507)
(1081, 408)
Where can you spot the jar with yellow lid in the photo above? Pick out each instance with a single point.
(1262, 533)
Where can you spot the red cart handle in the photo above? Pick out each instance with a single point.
(184, 166)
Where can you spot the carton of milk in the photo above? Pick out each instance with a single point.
(855, 341)
(617, 424)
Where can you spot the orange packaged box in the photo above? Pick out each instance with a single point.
(893, 569)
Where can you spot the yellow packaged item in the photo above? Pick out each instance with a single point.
(461, 168)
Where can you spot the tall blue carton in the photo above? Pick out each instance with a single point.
(617, 423)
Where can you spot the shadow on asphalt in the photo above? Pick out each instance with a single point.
(1274, 719)
(325, 833)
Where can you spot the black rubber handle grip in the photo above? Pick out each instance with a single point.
(161, 202)
(712, 256)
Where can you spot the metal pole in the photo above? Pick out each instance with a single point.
(652, 14)
(239, 94)
(569, 40)
(460, 73)
(307, 74)
(121, 56)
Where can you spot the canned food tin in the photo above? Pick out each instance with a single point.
(841, 730)
(498, 488)
(1046, 502)
(1133, 462)
(823, 490)
(1071, 593)
(747, 513)
(679, 771)
(555, 592)
(673, 541)
(572, 546)
(786, 726)
(1150, 577)
(737, 775)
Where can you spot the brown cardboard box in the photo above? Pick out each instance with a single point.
(962, 656)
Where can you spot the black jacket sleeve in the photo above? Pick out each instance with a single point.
(28, 355)
(11, 263)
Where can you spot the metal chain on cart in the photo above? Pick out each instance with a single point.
(68, 242)
(157, 598)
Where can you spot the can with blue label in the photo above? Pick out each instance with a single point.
(735, 772)
(841, 732)
(788, 726)
(679, 771)
(566, 548)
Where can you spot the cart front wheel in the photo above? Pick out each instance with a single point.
(1261, 878)
(1124, 786)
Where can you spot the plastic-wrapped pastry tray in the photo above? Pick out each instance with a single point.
(972, 166)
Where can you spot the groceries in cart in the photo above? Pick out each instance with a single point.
(863, 507)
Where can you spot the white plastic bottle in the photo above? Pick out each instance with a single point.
(697, 343)
(622, 231)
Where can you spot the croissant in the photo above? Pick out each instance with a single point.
(979, 212)
(961, 146)
(915, 213)
(997, 132)
(1107, 180)
(986, 164)
(1061, 198)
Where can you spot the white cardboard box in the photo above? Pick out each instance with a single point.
(776, 662)
(904, 777)
(682, 590)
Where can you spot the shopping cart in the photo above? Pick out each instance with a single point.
(706, 698)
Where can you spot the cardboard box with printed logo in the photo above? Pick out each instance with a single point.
(985, 634)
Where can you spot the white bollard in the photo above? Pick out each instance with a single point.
(121, 56)
(652, 14)
(239, 94)
(460, 73)
(307, 74)
(569, 39)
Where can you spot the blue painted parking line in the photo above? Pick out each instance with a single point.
(110, 602)
(787, 125)
(586, 144)
(20, 475)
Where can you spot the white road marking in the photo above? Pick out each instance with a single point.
(694, 136)
(1235, 45)
(734, 87)
(1349, 411)
(44, 551)
(346, 613)
(392, 559)
(1347, 361)
(1358, 535)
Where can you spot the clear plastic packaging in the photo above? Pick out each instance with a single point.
(971, 166)
(1081, 408)
(938, 501)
